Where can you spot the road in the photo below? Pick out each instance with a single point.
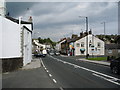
(70, 73)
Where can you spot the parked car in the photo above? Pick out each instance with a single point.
(39, 54)
(115, 65)
(51, 53)
(57, 53)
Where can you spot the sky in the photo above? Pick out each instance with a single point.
(57, 20)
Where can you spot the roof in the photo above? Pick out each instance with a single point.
(112, 46)
(74, 39)
(17, 21)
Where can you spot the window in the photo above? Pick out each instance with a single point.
(82, 44)
(109, 51)
(99, 44)
(77, 45)
(90, 45)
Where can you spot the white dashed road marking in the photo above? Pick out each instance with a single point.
(54, 81)
(50, 75)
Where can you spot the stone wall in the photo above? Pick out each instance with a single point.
(11, 64)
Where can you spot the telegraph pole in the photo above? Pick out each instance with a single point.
(87, 35)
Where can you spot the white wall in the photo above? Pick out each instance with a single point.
(1, 36)
(94, 41)
(27, 47)
(11, 39)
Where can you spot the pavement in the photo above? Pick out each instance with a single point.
(35, 63)
(106, 63)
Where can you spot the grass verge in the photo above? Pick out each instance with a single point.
(98, 58)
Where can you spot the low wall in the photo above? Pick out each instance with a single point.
(11, 64)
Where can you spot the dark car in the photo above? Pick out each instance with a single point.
(115, 65)
(39, 55)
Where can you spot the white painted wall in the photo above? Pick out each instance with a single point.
(11, 39)
(94, 41)
(1, 36)
(27, 47)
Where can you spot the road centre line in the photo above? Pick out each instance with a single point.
(48, 71)
(54, 81)
(108, 76)
(50, 75)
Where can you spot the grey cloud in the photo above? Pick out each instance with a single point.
(51, 18)
(17, 8)
(53, 7)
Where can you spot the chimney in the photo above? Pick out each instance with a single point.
(81, 34)
(30, 19)
(2, 8)
(90, 32)
(74, 36)
(85, 33)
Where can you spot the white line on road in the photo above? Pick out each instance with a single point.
(61, 88)
(50, 75)
(47, 71)
(98, 73)
(54, 81)
(106, 79)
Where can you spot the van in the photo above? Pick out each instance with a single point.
(44, 52)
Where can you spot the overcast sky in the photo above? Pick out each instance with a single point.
(61, 19)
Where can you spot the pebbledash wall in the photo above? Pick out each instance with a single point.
(15, 45)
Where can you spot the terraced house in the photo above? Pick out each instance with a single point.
(85, 44)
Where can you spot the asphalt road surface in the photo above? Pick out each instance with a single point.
(70, 73)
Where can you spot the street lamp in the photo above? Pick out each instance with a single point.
(86, 33)
(104, 29)
(104, 26)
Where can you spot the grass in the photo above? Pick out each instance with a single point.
(98, 58)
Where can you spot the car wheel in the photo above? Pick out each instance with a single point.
(115, 70)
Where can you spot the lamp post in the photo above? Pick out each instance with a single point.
(86, 33)
(104, 29)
